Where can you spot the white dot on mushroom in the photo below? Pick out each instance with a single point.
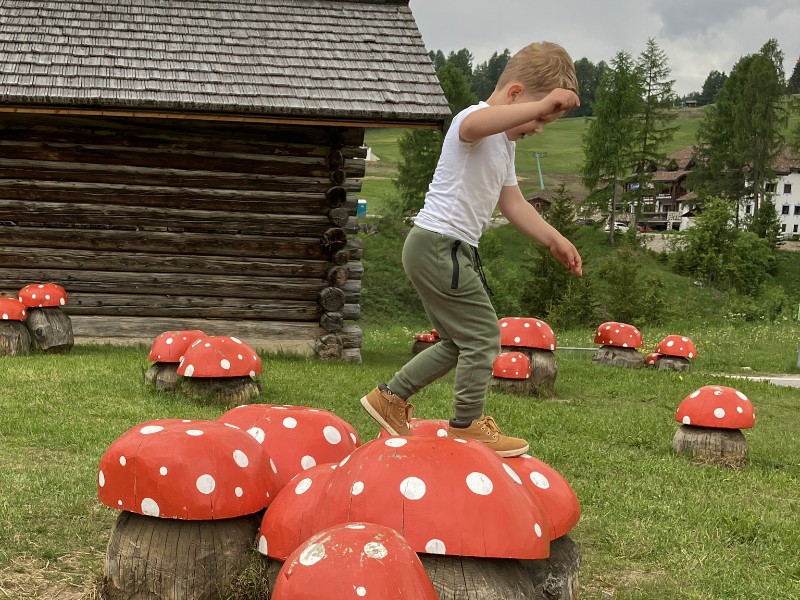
(307, 462)
(332, 434)
(479, 483)
(290, 423)
(240, 458)
(205, 484)
(303, 486)
(412, 488)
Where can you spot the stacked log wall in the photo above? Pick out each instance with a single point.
(158, 224)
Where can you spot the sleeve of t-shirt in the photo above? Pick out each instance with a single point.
(511, 172)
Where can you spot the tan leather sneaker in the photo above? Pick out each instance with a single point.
(486, 430)
(389, 410)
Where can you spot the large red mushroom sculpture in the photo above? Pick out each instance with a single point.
(190, 493)
(166, 353)
(295, 437)
(534, 338)
(619, 343)
(49, 326)
(354, 560)
(14, 336)
(431, 490)
(220, 368)
(674, 353)
(711, 419)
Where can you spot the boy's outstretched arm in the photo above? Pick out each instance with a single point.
(526, 218)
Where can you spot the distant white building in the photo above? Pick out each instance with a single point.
(785, 192)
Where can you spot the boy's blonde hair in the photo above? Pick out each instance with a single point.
(541, 67)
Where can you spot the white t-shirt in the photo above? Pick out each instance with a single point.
(467, 183)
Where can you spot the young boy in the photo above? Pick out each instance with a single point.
(476, 173)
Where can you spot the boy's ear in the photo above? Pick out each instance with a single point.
(514, 90)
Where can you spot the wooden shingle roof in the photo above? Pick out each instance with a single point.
(319, 59)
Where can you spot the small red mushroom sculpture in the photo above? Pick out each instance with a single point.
(220, 368)
(424, 340)
(191, 493)
(534, 338)
(712, 418)
(511, 372)
(674, 353)
(295, 437)
(49, 326)
(354, 560)
(14, 336)
(619, 343)
(166, 352)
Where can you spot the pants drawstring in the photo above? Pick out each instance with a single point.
(481, 274)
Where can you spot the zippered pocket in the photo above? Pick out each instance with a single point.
(454, 257)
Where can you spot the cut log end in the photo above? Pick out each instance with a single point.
(614, 356)
(229, 391)
(710, 446)
(50, 329)
(673, 363)
(162, 376)
(14, 338)
(541, 383)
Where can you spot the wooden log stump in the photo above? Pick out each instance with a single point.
(615, 356)
(332, 299)
(14, 338)
(468, 578)
(673, 363)
(168, 559)
(332, 321)
(162, 376)
(229, 391)
(50, 329)
(706, 445)
(419, 345)
(329, 347)
(542, 381)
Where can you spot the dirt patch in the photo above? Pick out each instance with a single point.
(27, 578)
(790, 246)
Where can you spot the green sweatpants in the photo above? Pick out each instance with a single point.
(443, 271)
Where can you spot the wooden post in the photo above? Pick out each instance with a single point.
(14, 338)
(50, 329)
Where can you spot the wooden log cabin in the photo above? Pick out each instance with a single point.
(194, 164)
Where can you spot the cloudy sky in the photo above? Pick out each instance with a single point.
(697, 35)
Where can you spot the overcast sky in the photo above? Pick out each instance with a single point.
(697, 35)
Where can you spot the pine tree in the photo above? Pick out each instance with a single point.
(486, 75)
(793, 85)
(711, 87)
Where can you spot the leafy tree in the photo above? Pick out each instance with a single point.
(577, 307)
(609, 140)
(711, 87)
(655, 117)
(632, 296)
(793, 85)
(589, 76)
(487, 74)
(766, 224)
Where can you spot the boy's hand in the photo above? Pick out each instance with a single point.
(565, 252)
(556, 103)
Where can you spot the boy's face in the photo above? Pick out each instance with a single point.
(532, 127)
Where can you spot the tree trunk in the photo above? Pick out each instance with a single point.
(619, 357)
(706, 445)
(168, 559)
(162, 376)
(50, 329)
(14, 338)
(229, 391)
(469, 578)
(673, 363)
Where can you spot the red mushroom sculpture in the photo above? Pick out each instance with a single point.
(534, 338)
(423, 428)
(619, 343)
(511, 372)
(675, 352)
(354, 560)
(166, 353)
(190, 492)
(49, 326)
(424, 340)
(221, 368)
(712, 418)
(295, 437)
(14, 336)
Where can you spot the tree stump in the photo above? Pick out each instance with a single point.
(706, 445)
(163, 376)
(230, 391)
(615, 356)
(14, 338)
(420, 345)
(673, 363)
(168, 559)
(50, 329)
(470, 578)
(542, 381)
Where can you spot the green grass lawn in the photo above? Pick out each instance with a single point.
(654, 526)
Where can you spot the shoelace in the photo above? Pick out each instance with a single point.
(488, 424)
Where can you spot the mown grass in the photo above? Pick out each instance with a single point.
(654, 526)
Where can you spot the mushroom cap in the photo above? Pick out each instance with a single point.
(296, 438)
(182, 469)
(556, 496)
(39, 295)
(716, 406)
(12, 310)
(512, 365)
(354, 560)
(426, 337)
(219, 356)
(526, 332)
(170, 346)
(677, 345)
(622, 335)
(652, 358)
(444, 495)
(423, 428)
